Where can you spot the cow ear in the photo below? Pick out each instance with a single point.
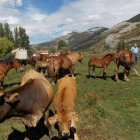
(12, 99)
(52, 120)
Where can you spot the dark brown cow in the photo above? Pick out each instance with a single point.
(64, 104)
(30, 101)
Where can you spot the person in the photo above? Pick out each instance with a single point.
(135, 51)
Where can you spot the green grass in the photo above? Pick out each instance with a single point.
(108, 110)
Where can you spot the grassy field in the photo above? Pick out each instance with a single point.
(108, 110)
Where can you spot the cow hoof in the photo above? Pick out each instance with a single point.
(117, 80)
(126, 80)
(54, 138)
(26, 138)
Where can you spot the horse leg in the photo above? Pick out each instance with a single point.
(136, 72)
(104, 73)
(125, 74)
(93, 70)
(116, 72)
(89, 69)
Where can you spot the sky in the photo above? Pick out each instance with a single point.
(45, 20)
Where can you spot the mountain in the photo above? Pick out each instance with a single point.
(77, 40)
(97, 38)
(135, 18)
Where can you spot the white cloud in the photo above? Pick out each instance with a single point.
(11, 2)
(77, 15)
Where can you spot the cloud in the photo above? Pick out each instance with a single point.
(11, 2)
(75, 15)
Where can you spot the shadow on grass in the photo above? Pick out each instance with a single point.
(120, 75)
(32, 133)
(9, 85)
(98, 77)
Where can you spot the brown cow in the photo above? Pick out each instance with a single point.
(64, 104)
(42, 66)
(30, 101)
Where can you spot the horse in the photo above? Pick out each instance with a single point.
(126, 59)
(58, 66)
(95, 62)
(6, 65)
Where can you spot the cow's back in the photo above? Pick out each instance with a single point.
(66, 94)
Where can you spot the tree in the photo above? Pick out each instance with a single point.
(62, 44)
(21, 38)
(5, 46)
(1, 30)
(8, 32)
(121, 45)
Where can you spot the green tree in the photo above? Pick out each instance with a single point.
(1, 30)
(62, 44)
(21, 38)
(5, 46)
(8, 32)
(121, 45)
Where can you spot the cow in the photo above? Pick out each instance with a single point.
(64, 105)
(29, 101)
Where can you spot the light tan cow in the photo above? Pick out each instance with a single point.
(64, 104)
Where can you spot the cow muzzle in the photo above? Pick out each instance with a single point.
(65, 134)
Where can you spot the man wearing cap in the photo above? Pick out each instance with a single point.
(135, 51)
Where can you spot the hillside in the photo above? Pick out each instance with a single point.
(135, 18)
(97, 38)
(77, 40)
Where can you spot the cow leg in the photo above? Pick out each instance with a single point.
(74, 120)
(47, 115)
(32, 120)
(51, 122)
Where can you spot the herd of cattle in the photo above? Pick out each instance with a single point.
(31, 100)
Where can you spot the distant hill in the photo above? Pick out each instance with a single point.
(77, 40)
(97, 38)
(135, 18)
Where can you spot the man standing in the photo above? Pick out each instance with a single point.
(135, 51)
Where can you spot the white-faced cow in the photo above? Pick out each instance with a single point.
(29, 101)
(64, 104)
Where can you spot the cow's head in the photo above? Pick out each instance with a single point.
(65, 121)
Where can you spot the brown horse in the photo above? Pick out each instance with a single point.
(58, 66)
(126, 59)
(74, 57)
(6, 65)
(95, 62)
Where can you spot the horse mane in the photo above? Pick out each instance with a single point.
(109, 54)
(6, 61)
